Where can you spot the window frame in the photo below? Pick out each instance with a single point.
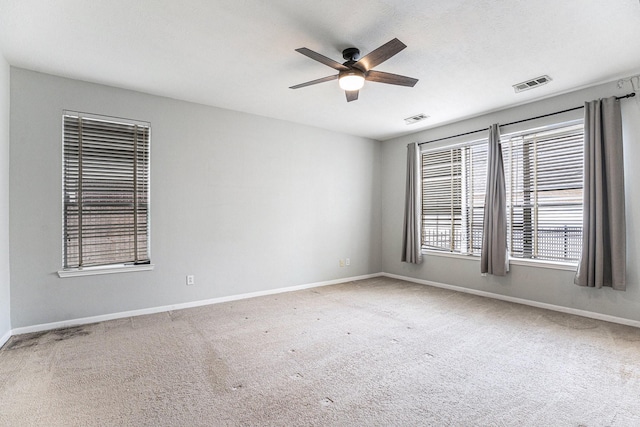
(465, 208)
(118, 266)
(565, 125)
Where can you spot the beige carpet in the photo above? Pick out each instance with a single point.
(378, 352)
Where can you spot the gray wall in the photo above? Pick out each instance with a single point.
(5, 320)
(531, 283)
(244, 203)
(247, 203)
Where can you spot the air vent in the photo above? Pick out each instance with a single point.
(530, 84)
(415, 119)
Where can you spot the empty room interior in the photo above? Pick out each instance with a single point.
(374, 212)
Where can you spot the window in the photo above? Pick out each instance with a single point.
(105, 191)
(543, 172)
(453, 187)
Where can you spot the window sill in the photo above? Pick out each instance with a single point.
(451, 255)
(107, 269)
(512, 261)
(554, 265)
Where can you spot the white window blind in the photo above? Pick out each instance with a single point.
(105, 191)
(544, 173)
(453, 188)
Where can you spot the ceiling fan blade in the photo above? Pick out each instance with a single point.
(352, 95)
(392, 79)
(321, 58)
(316, 81)
(380, 55)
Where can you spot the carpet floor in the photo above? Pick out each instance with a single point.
(376, 352)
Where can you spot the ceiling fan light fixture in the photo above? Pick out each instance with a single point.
(352, 79)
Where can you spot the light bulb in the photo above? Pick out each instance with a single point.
(351, 80)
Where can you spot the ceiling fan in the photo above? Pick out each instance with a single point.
(352, 73)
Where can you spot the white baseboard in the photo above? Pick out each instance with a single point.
(568, 310)
(5, 338)
(153, 310)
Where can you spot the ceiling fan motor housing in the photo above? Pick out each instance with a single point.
(351, 54)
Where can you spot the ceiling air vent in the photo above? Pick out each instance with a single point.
(530, 84)
(415, 119)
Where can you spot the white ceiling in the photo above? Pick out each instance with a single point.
(239, 54)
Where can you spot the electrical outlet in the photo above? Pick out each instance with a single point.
(341, 263)
(348, 261)
(191, 280)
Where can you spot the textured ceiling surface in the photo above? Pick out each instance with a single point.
(239, 54)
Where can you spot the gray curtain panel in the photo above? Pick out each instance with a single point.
(411, 230)
(602, 262)
(493, 258)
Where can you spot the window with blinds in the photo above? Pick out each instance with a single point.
(544, 172)
(453, 188)
(105, 191)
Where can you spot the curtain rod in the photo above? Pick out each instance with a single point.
(629, 95)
